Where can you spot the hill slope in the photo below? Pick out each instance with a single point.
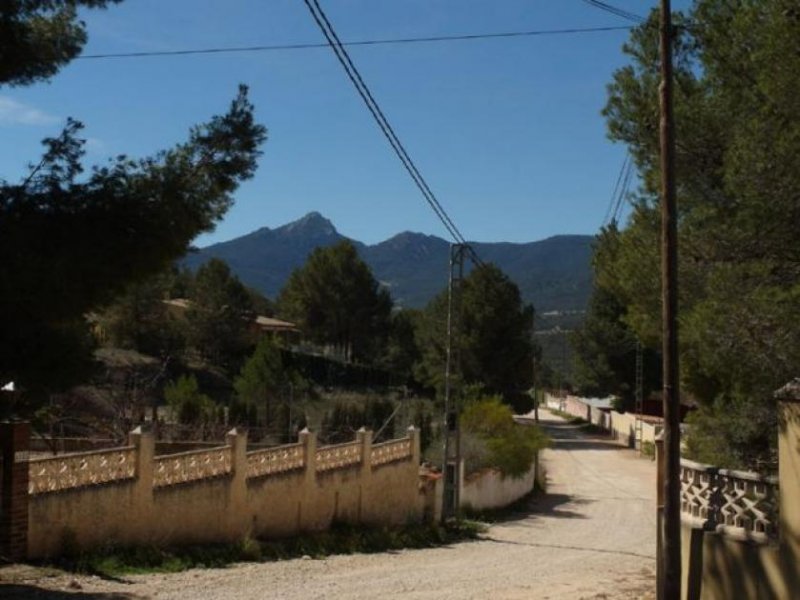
(554, 274)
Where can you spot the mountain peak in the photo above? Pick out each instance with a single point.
(554, 274)
(311, 224)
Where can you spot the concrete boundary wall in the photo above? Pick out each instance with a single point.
(729, 545)
(489, 489)
(219, 495)
(621, 426)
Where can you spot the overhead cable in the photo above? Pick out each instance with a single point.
(605, 6)
(623, 192)
(371, 42)
(380, 118)
(613, 199)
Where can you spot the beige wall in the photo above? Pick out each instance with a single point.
(621, 426)
(716, 567)
(789, 477)
(229, 506)
(489, 489)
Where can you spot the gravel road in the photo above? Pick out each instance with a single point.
(591, 536)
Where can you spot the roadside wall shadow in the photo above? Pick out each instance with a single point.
(538, 504)
(18, 591)
(585, 444)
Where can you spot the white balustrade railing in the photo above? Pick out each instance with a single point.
(56, 473)
(390, 451)
(172, 469)
(276, 460)
(339, 456)
(736, 503)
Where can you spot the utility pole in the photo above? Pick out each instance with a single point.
(452, 375)
(670, 550)
(533, 369)
(535, 393)
(639, 398)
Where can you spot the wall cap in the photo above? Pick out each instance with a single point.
(143, 428)
(790, 392)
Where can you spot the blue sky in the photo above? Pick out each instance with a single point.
(507, 132)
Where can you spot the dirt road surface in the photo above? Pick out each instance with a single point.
(592, 536)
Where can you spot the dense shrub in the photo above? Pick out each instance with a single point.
(491, 438)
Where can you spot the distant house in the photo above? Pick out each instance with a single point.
(259, 323)
(271, 324)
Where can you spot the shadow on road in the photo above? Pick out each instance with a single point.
(584, 444)
(33, 592)
(559, 506)
(572, 436)
(564, 547)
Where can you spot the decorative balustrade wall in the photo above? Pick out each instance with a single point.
(218, 494)
(54, 474)
(172, 469)
(272, 461)
(339, 456)
(736, 503)
(390, 452)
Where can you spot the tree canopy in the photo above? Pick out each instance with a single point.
(738, 170)
(72, 237)
(263, 379)
(336, 301)
(605, 351)
(495, 334)
(38, 37)
(220, 316)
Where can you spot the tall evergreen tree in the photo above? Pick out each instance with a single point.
(336, 301)
(738, 166)
(69, 241)
(496, 330)
(220, 316)
(264, 379)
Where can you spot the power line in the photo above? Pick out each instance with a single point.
(623, 192)
(362, 89)
(620, 177)
(605, 6)
(371, 42)
(380, 118)
(374, 107)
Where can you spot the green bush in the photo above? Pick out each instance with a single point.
(649, 449)
(188, 405)
(509, 446)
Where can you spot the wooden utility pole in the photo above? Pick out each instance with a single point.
(533, 369)
(670, 552)
(452, 379)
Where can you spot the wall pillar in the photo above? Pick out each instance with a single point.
(145, 443)
(364, 437)
(143, 439)
(788, 398)
(416, 452)
(241, 521)
(14, 447)
(309, 440)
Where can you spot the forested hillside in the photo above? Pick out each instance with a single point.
(553, 274)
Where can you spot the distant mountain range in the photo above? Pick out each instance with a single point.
(554, 274)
